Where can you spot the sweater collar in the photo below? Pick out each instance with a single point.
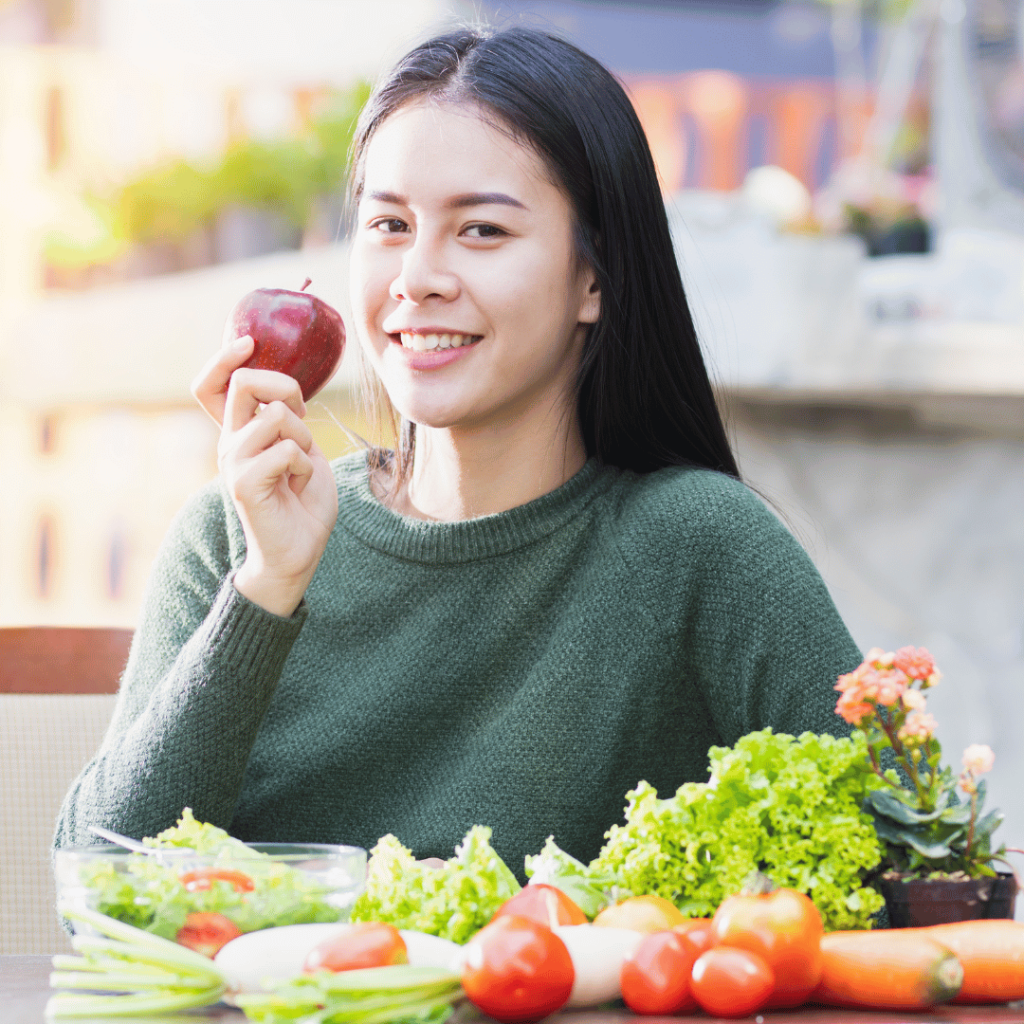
(420, 540)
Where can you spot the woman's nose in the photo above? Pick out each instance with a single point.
(424, 275)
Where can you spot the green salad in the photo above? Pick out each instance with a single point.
(248, 887)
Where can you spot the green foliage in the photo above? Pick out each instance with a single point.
(787, 806)
(172, 202)
(941, 841)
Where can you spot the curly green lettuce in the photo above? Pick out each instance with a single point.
(787, 806)
(453, 901)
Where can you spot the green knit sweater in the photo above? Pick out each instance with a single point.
(520, 670)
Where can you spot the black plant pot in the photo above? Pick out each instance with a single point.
(918, 902)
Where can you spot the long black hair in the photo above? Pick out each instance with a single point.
(644, 399)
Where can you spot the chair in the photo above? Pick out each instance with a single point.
(57, 689)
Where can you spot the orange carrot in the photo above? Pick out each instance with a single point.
(890, 969)
(992, 955)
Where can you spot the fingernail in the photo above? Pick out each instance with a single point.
(243, 343)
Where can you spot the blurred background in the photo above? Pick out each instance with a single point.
(845, 181)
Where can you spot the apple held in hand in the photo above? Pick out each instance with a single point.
(294, 333)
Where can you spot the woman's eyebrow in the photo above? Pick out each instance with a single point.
(483, 199)
(456, 202)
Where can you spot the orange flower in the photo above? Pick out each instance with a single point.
(978, 759)
(913, 700)
(917, 663)
(918, 727)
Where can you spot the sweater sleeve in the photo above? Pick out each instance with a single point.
(754, 624)
(203, 668)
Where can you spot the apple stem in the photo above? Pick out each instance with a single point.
(309, 281)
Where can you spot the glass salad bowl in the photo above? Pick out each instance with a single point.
(252, 885)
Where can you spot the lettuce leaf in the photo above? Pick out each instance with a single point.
(589, 889)
(787, 806)
(453, 901)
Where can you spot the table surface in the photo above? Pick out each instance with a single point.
(24, 989)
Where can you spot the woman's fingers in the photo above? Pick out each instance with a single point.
(210, 386)
(269, 425)
(249, 389)
(231, 392)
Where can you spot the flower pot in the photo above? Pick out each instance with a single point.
(918, 902)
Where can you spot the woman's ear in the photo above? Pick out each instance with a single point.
(590, 307)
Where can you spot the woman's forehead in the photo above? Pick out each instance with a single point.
(449, 144)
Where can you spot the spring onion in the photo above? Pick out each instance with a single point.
(126, 971)
(373, 995)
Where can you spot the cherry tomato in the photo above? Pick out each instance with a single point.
(203, 878)
(206, 932)
(368, 944)
(656, 976)
(516, 969)
(539, 902)
(784, 928)
(641, 914)
(731, 982)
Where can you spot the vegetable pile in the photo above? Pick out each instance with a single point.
(675, 915)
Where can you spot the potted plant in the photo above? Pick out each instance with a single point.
(939, 854)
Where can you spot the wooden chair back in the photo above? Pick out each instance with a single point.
(56, 659)
(57, 689)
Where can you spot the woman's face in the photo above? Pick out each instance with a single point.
(466, 292)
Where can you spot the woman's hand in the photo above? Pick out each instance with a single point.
(279, 480)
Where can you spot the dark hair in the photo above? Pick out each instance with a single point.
(644, 398)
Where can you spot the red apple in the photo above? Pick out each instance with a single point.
(295, 333)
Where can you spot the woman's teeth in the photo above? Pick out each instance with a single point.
(426, 342)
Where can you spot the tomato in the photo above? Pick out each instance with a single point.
(731, 982)
(539, 901)
(368, 944)
(206, 932)
(203, 878)
(641, 914)
(697, 931)
(656, 976)
(516, 969)
(784, 928)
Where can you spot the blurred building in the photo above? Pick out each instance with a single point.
(97, 425)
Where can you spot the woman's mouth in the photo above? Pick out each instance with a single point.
(430, 342)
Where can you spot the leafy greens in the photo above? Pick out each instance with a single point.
(453, 901)
(788, 806)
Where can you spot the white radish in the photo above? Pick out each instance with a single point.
(597, 957)
(256, 961)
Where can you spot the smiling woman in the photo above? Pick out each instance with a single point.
(555, 587)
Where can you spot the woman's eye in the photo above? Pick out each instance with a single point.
(483, 231)
(389, 225)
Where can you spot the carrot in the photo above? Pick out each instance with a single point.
(992, 955)
(889, 969)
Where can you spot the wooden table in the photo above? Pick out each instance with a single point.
(24, 989)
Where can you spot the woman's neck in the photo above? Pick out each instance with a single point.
(459, 474)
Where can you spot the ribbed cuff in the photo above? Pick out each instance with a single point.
(253, 641)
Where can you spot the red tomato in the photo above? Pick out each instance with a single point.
(206, 932)
(784, 928)
(203, 878)
(697, 931)
(539, 902)
(731, 982)
(369, 944)
(656, 977)
(516, 969)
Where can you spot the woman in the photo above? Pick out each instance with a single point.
(557, 586)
